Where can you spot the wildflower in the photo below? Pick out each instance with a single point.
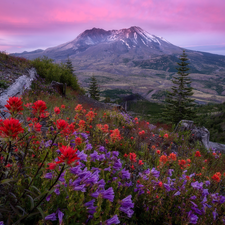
(197, 154)
(51, 166)
(61, 124)
(132, 138)
(132, 167)
(78, 108)
(188, 161)
(37, 127)
(133, 157)
(51, 217)
(115, 136)
(8, 165)
(63, 106)
(140, 162)
(187, 177)
(10, 128)
(172, 156)
(108, 194)
(216, 176)
(153, 147)
(14, 105)
(39, 107)
(68, 155)
(126, 205)
(158, 152)
(163, 159)
(57, 110)
(90, 116)
(182, 163)
(78, 141)
(125, 155)
(113, 220)
(165, 136)
(160, 184)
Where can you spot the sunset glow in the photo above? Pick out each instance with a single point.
(45, 23)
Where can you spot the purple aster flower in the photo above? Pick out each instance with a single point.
(196, 210)
(94, 156)
(177, 193)
(48, 198)
(215, 214)
(88, 147)
(93, 178)
(193, 219)
(125, 174)
(207, 183)
(51, 217)
(102, 149)
(115, 153)
(90, 206)
(48, 175)
(117, 165)
(108, 194)
(128, 184)
(101, 183)
(61, 178)
(107, 155)
(197, 185)
(205, 192)
(170, 171)
(107, 169)
(84, 135)
(48, 143)
(80, 188)
(60, 216)
(1, 223)
(82, 155)
(58, 151)
(222, 199)
(193, 197)
(76, 170)
(113, 220)
(155, 173)
(127, 202)
(95, 194)
(57, 191)
(101, 157)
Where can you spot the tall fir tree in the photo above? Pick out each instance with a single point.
(69, 65)
(94, 89)
(179, 105)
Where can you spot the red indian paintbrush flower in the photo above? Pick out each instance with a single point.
(216, 177)
(197, 154)
(14, 105)
(10, 128)
(133, 157)
(39, 107)
(61, 124)
(68, 155)
(57, 110)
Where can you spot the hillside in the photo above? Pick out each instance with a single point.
(136, 61)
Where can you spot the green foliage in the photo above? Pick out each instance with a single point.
(179, 105)
(4, 84)
(94, 89)
(69, 65)
(55, 72)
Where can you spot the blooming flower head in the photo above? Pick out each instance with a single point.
(90, 116)
(165, 136)
(14, 105)
(133, 157)
(158, 152)
(172, 157)
(163, 159)
(51, 166)
(78, 141)
(61, 124)
(216, 177)
(126, 205)
(197, 154)
(140, 162)
(78, 108)
(39, 107)
(10, 128)
(113, 220)
(37, 127)
(68, 155)
(57, 110)
(115, 136)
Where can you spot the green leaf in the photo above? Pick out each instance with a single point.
(19, 207)
(41, 212)
(36, 189)
(31, 202)
(6, 181)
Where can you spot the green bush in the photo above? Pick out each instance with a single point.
(57, 72)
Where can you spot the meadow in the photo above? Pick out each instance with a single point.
(67, 162)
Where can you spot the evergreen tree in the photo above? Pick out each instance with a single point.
(69, 65)
(179, 105)
(94, 89)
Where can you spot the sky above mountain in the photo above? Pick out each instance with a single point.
(38, 24)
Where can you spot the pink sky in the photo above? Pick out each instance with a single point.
(32, 24)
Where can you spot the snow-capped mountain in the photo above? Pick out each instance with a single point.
(119, 41)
